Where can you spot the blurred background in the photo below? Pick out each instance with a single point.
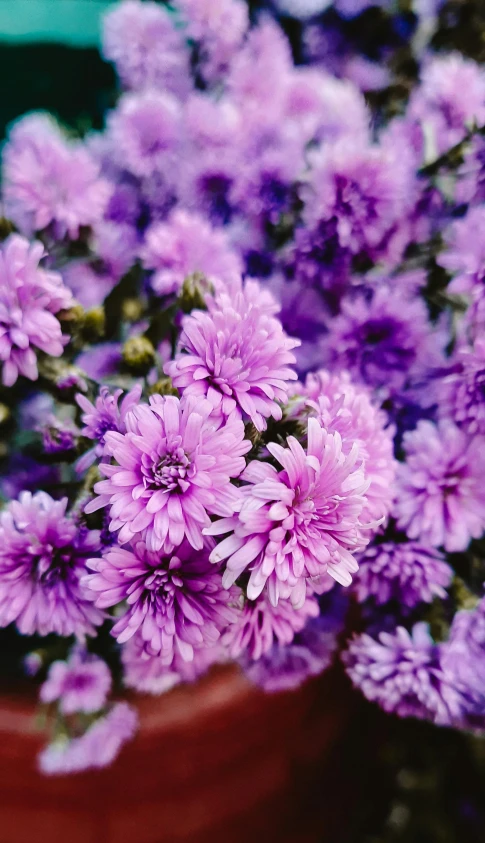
(430, 782)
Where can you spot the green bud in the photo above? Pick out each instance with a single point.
(163, 386)
(94, 324)
(138, 355)
(194, 289)
(131, 310)
(463, 597)
(6, 228)
(4, 413)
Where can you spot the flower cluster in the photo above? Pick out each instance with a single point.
(242, 356)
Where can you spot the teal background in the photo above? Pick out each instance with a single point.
(74, 22)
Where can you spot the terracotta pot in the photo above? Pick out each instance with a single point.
(218, 762)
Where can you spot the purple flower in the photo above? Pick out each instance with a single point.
(260, 625)
(218, 27)
(237, 355)
(175, 603)
(96, 748)
(174, 468)
(146, 47)
(347, 409)
(463, 659)
(451, 98)
(409, 573)
(152, 675)
(29, 298)
(102, 416)
(298, 523)
(440, 495)
(82, 683)
(145, 133)
(49, 180)
(42, 560)
(101, 361)
(383, 341)
(185, 244)
(58, 436)
(88, 287)
(465, 255)
(402, 672)
(462, 393)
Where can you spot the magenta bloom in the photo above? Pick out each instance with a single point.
(185, 244)
(347, 409)
(49, 180)
(82, 683)
(297, 523)
(29, 298)
(462, 393)
(174, 469)
(97, 747)
(409, 573)
(102, 416)
(236, 355)
(441, 496)
(175, 603)
(402, 672)
(147, 49)
(465, 255)
(42, 561)
(218, 26)
(145, 132)
(260, 625)
(151, 675)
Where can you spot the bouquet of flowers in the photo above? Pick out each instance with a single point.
(242, 357)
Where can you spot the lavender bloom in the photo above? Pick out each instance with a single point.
(42, 560)
(218, 27)
(298, 523)
(465, 255)
(384, 341)
(174, 468)
(176, 604)
(409, 573)
(96, 748)
(48, 180)
(100, 361)
(260, 625)
(347, 409)
(146, 47)
(402, 672)
(440, 495)
(102, 416)
(145, 132)
(237, 355)
(325, 109)
(151, 675)
(29, 298)
(58, 436)
(450, 99)
(82, 683)
(462, 393)
(185, 244)
(88, 287)
(463, 659)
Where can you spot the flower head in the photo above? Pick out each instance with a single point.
(409, 573)
(297, 523)
(150, 673)
(174, 467)
(462, 392)
(29, 298)
(176, 603)
(465, 255)
(49, 180)
(42, 561)
(218, 27)
(237, 356)
(102, 416)
(440, 496)
(82, 683)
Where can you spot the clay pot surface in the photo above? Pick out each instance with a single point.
(215, 762)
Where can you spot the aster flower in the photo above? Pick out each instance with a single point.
(218, 27)
(237, 355)
(145, 132)
(49, 180)
(347, 409)
(101, 361)
(185, 244)
(29, 298)
(465, 253)
(260, 625)
(96, 748)
(402, 672)
(463, 660)
(42, 560)
(58, 436)
(440, 496)
(174, 468)
(462, 392)
(383, 341)
(175, 603)
(150, 673)
(409, 573)
(102, 416)
(298, 523)
(146, 47)
(82, 683)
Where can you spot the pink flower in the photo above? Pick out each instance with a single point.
(82, 683)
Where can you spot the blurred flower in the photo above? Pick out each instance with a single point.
(82, 683)
(102, 416)
(409, 573)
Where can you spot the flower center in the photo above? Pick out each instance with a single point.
(169, 472)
